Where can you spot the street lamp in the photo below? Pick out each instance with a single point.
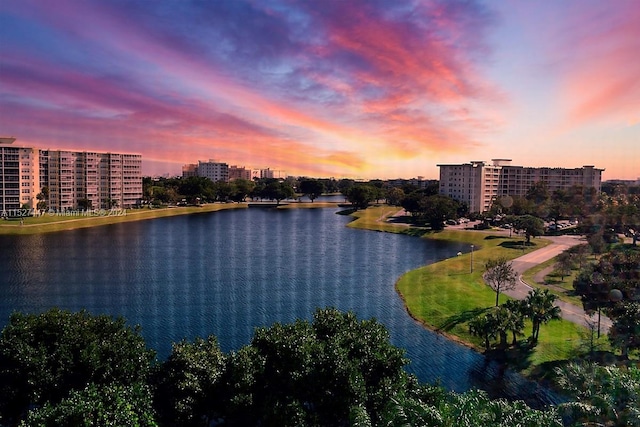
(472, 258)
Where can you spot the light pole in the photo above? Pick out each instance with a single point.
(472, 258)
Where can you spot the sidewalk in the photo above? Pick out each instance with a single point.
(570, 312)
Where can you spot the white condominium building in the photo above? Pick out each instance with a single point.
(478, 183)
(215, 171)
(75, 179)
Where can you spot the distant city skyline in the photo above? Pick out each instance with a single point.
(334, 88)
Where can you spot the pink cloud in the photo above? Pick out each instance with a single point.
(394, 84)
(601, 65)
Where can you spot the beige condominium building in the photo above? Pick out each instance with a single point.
(75, 179)
(19, 175)
(478, 183)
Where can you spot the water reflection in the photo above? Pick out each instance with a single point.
(226, 273)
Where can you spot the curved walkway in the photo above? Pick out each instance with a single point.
(521, 264)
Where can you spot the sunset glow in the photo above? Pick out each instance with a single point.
(342, 88)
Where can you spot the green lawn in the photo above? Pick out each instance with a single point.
(445, 295)
(50, 223)
(373, 218)
(563, 288)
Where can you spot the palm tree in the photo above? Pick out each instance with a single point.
(606, 395)
(483, 326)
(515, 318)
(540, 309)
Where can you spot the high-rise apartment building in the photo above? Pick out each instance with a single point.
(75, 179)
(19, 175)
(478, 183)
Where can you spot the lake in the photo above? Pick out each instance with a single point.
(226, 273)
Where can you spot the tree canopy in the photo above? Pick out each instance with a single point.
(531, 225)
(312, 188)
(46, 356)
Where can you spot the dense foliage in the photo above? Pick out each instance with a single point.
(612, 285)
(65, 368)
(601, 393)
(43, 358)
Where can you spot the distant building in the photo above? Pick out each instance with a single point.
(478, 183)
(189, 170)
(629, 182)
(219, 171)
(268, 173)
(75, 178)
(237, 172)
(418, 182)
(215, 171)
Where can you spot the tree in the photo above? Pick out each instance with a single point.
(344, 185)
(531, 225)
(361, 195)
(241, 189)
(564, 265)
(85, 204)
(44, 357)
(604, 395)
(483, 326)
(500, 275)
(110, 203)
(515, 318)
(315, 373)
(394, 196)
(189, 382)
(278, 191)
(437, 208)
(43, 198)
(579, 254)
(614, 279)
(413, 203)
(110, 405)
(625, 330)
(597, 243)
(433, 406)
(538, 193)
(539, 307)
(196, 188)
(503, 321)
(222, 190)
(312, 188)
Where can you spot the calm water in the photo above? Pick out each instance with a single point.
(226, 273)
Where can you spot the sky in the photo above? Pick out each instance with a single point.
(327, 88)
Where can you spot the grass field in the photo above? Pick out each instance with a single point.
(50, 222)
(562, 288)
(446, 295)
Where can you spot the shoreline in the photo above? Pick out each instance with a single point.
(438, 331)
(41, 224)
(375, 219)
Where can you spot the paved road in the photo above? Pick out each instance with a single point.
(570, 312)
